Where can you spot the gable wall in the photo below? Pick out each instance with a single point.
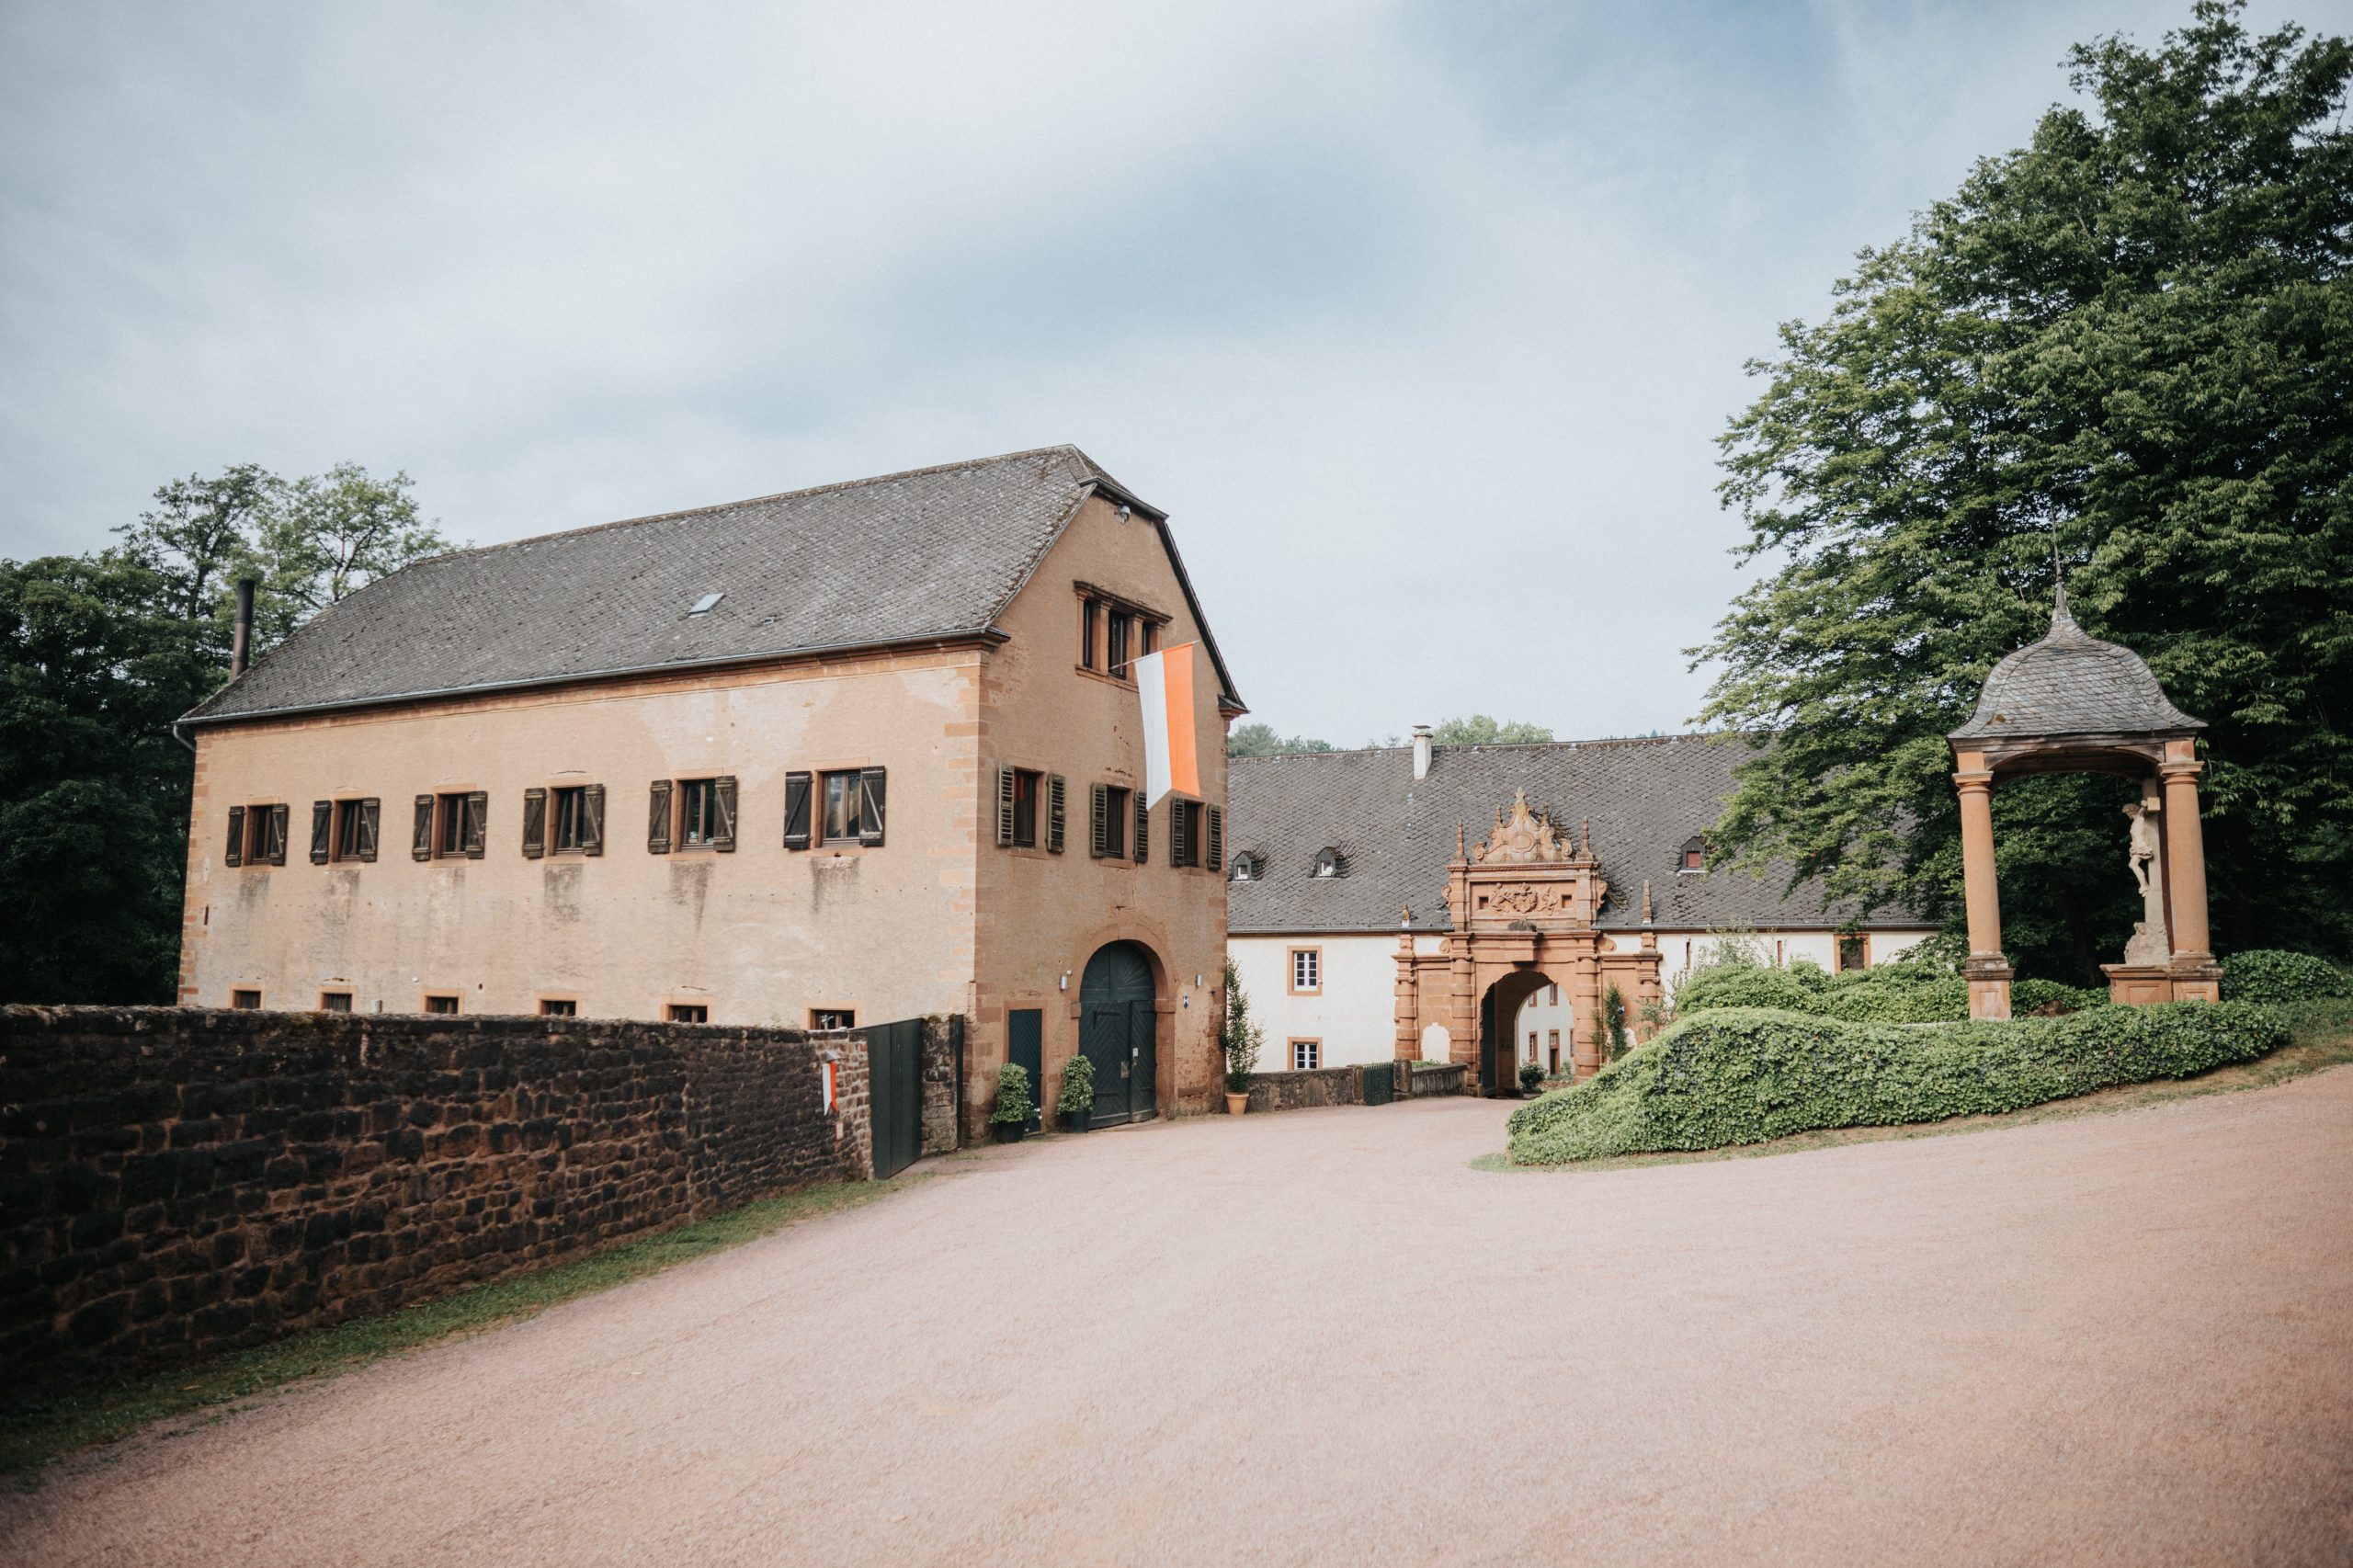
(1044, 914)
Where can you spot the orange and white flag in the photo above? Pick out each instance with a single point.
(1171, 758)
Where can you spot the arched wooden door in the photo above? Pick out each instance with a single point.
(1116, 1018)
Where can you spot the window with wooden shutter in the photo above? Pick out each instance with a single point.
(276, 853)
(1180, 832)
(723, 814)
(1144, 829)
(658, 819)
(1057, 811)
(1216, 861)
(423, 847)
(535, 823)
(871, 788)
(1005, 786)
(321, 824)
(371, 810)
(796, 810)
(477, 808)
(592, 819)
(1099, 820)
(235, 854)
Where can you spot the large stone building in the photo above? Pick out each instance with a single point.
(848, 754)
(1472, 903)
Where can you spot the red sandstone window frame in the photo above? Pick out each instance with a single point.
(237, 995)
(687, 1011)
(1307, 1047)
(1838, 951)
(558, 1006)
(327, 1001)
(1140, 630)
(1314, 957)
(821, 1011)
(456, 1000)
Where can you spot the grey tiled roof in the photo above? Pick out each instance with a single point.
(1644, 798)
(938, 551)
(2071, 683)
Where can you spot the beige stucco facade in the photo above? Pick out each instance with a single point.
(937, 918)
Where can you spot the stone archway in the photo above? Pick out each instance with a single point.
(1525, 906)
(2070, 703)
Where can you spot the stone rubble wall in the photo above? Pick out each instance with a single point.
(176, 1182)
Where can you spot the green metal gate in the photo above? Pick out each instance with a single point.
(894, 1093)
(1380, 1083)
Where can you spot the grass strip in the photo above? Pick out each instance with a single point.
(36, 1429)
(2324, 1039)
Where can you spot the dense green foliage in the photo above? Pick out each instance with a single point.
(2128, 344)
(98, 654)
(1899, 992)
(2032, 996)
(1481, 730)
(1744, 1075)
(2267, 974)
(1262, 739)
(1013, 1104)
(1531, 1076)
(1078, 1097)
(1744, 985)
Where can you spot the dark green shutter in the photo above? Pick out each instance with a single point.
(592, 819)
(322, 828)
(236, 854)
(1180, 833)
(277, 815)
(658, 819)
(871, 800)
(796, 811)
(1217, 838)
(421, 849)
(1143, 850)
(1098, 814)
(370, 816)
(535, 823)
(1004, 807)
(477, 825)
(1057, 808)
(723, 797)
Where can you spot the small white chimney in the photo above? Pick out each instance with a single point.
(1421, 752)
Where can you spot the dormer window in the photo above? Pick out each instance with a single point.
(1246, 866)
(1331, 863)
(1694, 856)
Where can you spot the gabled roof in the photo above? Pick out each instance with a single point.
(1644, 799)
(934, 553)
(2071, 683)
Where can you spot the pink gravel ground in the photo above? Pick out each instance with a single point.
(1325, 1337)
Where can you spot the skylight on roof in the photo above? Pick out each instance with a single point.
(703, 606)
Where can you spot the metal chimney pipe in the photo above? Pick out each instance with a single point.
(242, 639)
(1421, 752)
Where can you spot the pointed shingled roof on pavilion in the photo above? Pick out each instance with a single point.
(2071, 683)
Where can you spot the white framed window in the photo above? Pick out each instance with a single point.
(1306, 970)
(1306, 1056)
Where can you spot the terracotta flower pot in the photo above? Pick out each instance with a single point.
(1237, 1104)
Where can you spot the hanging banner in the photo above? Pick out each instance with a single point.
(1172, 763)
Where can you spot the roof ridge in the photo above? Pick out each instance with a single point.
(837, 485)
(1502, 745)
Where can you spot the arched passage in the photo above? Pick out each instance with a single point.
(1500, 1050)
(1117, 1019)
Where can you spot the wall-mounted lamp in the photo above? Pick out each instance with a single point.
(1066, 980)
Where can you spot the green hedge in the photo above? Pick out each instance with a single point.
(1887, 993)
(2269, 975)
(1745, 986)
(1744, 1075)
(2033, 995)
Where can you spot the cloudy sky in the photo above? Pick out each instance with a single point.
(1421, 320)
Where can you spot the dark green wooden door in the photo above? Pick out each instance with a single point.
(1116, 1019)
(1025, 1046)
(894, 1093)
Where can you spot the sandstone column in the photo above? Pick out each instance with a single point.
(2193, 956)
(1408, 1046)
(1988, 971)
(1587, 999)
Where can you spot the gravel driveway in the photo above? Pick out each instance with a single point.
(1323, 1338)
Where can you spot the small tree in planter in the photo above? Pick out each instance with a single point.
(1011, 1119)
(1531, 1076)
(1241, 1040)
(1077, 1102)
(1613, 1019)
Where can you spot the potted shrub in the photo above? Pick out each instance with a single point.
(1240, 1038)
(1011, 1119)
(1531, 1076)
(1077, 1102)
